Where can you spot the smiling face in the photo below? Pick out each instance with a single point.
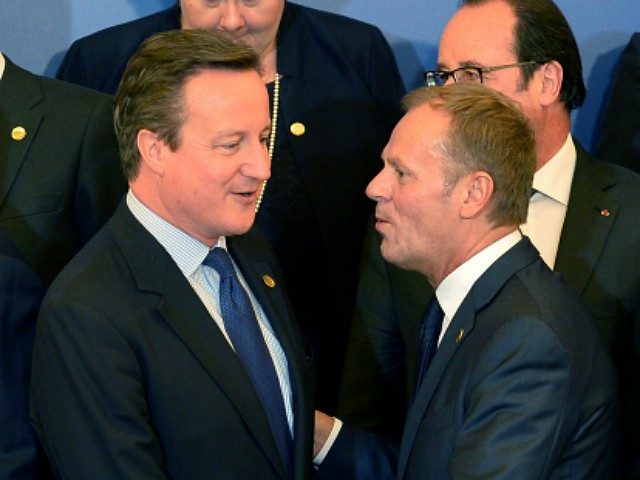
(415, 210)
(209, 185)
(253, 22)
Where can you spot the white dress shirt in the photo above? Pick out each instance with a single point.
(455, 287)
(548, 205)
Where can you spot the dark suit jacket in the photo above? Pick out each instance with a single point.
(598, 256)
(21, 292)
(520, 386)
(341, 81)
(133, 379)
(62, 182)
(620, 134)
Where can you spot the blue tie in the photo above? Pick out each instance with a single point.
(429, 334)
(242, 327)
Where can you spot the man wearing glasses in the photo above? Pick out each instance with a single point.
(583, 216)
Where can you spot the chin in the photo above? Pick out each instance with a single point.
(387, 252)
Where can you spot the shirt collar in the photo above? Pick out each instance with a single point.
(455, 287)
(2, 64)
(555, 177)
(186, 251)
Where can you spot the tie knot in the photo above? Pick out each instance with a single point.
(220, 261)
(433, 315)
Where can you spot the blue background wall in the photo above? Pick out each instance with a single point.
(36, 33)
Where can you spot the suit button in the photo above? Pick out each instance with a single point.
(297, 129)
(18, 133)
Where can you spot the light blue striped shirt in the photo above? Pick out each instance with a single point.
(188, 254)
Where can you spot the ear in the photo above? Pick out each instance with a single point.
(551, 85)
(151, 147)
(478, 192)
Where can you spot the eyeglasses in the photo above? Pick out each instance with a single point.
(437, 78)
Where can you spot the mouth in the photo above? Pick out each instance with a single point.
(381, 223)
(247, 196)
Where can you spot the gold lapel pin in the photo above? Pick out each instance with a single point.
(18, 133)
(605, 212)
(298, 129)
(460, 335)
(268, 281)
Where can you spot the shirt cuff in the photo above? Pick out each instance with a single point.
(337, 425)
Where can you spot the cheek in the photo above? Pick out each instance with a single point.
(204, 18)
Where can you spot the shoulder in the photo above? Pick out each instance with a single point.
(347, 31)
(129, 32)
(332, 21)
(97, 272)
(634, 43)
(536, 309)
(70, 94)
(615, 180)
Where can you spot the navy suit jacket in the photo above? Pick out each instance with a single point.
(620, 134)
(341, 81)
(521, 387)
(21, 292)
(598, 257)
(62, 181)
(133, 379)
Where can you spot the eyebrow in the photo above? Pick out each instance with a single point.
(466, 63)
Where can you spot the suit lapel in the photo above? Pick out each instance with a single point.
(459, 330)
(259, 273)
(155, 271)
(590, 216)
(22, 105)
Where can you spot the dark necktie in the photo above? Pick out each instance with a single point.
(242, 327)
(429, 334)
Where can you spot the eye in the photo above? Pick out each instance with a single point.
(264, 140)
(470, 75)
(400, 173)
(228, 147)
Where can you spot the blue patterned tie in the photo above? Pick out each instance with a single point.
(242, 327)
(429, 334)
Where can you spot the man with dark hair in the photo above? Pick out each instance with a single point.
(335, 91)
(512, 381)
(167, 348)
(584, 215)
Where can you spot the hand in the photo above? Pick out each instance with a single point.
(324, 425)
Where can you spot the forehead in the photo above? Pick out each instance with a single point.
(417, 132)
(481, 34)
(211, 91)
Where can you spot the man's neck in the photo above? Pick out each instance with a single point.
(551, 136)
(473, 244)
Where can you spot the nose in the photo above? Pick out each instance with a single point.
(377, 190)
(231, 18)
(259, 165)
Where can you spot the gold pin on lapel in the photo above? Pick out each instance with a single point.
(18, 133)
(605, 212)
(298, 128)
(460, 335)
(268, 281)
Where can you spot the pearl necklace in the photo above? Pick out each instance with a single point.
(272, 133)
